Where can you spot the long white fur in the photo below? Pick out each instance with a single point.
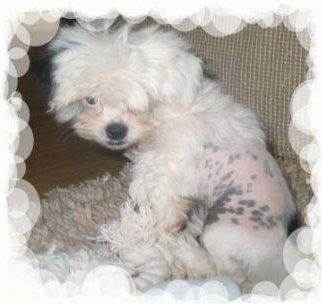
(151, 82)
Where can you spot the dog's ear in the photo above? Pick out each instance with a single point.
(183, 78)
(42, 67)
(180, 70)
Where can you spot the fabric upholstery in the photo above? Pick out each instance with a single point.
(261, 68)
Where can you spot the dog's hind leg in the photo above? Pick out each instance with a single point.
(148, 266)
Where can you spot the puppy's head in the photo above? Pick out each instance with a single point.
(111, 85)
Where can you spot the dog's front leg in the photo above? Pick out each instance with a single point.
(173, 213)
(163, 191)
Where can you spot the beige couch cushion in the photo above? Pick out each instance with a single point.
(260, 67)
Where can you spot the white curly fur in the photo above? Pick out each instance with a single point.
(148, 82)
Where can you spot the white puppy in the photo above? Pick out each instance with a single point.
(144, 92)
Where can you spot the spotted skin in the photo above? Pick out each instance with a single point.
(264, 208)
(241, 181)
(249, 208)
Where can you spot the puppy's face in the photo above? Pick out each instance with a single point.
(111, 125)
(110, 86)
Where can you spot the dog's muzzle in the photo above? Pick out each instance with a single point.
(116, 133)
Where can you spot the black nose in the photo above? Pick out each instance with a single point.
(116, 131)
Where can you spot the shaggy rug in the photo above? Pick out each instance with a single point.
(72, 218)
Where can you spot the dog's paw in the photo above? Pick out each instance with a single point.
(150, 273)
(147, 265)
(178, 270)
(174, 218)
(172, 222)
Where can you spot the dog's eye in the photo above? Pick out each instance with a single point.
(91, 100)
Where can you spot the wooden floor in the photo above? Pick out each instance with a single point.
(59, 158)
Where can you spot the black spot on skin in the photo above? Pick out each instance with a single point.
(255, 227)
(253, 177)
(230, 185)
(230, 159)
(255, 219)
(280, 218)
(226, 176)
(220, 204)
(239, 210)
(254, 157)
(230, 210)
(212, 217)
(239, 192)
(257, 213)
(234, 221)
(225, 197)
(215, 211)
(270, 221)
(247, 203)
(247, 151)
(216, 190)
(220, 167)
(212, 147)
(264, 208)
(238, 187)
(263, 224)
(216, 193)
(208, 162)
(217, 162)
(233, 157)
(218, 187)
(221, 210)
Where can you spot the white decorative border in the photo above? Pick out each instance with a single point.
(23, 215)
